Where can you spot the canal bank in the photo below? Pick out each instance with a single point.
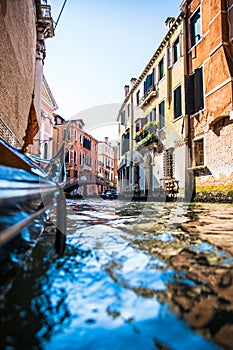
(214, 194)
(133, 276)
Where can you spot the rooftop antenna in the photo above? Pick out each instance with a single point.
(56, 23)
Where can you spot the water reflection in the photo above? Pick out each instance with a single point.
(135, 275)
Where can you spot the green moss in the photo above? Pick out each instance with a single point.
(228, 189)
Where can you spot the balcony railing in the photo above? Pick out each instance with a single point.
(152, 92)
(150, 138)
(46, 21)
(149, 128)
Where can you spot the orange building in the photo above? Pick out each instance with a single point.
(81, 152)
(209, 91)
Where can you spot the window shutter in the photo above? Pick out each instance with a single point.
(198, 89)
(189, 95)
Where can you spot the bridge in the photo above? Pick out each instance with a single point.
(69, 187)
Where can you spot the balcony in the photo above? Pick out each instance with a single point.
(86, 167)
(150, 139)
(46, 21)
(149, 128)
(152, 92)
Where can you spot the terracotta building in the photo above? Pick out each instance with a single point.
(22, 46)
(81, 153)
(209, 91)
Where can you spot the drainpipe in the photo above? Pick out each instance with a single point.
(131, 175)
(189, 178)
(40, 52)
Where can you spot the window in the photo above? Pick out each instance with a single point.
(137, 126)
(75, 134)
(199, 152)
(123, 118)
(128, 110)
(169, 57)
(177, 103)
(198, 89)
(143, 121)
(75, 157)
(162, 115)
(76, 174)
(81, 138)
(138, 98)
(176, 50)
(87, 143)
(153, 114)
(195, 24)
(194, 92)
(125, 143)
(161, 69)
(67, 157)
(64, 134)
(46, 151)
(149, 82)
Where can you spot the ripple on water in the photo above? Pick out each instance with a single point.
(99, 237)
(124, 283)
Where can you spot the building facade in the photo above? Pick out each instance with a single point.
(81, 155)
(22, 45)
(176, 121)
(106, 163)
(48, 107)
(151, 120)
(209, 92)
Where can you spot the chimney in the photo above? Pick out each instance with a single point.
(106, 139)
(133, 81)
(126, 90)
(169, 21)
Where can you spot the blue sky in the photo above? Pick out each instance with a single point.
(98, 47)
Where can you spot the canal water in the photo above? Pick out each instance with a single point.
(135, 275)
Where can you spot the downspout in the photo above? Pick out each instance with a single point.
(131, 140)
(190, 187)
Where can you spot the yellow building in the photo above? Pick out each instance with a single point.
(152, 121)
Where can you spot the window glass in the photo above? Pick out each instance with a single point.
(169, 53)
(195, 24)
(138, 98)
(45, 151)
(176, 50)
(75, 157)
(162, 114)
(67, 157)
(199, 152)
(161, 69)
(128, 110)
(177, 103)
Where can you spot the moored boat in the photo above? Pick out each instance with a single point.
(23, 180)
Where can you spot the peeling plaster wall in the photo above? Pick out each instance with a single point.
(17, 62)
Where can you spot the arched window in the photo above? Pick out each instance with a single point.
(75, 157)
(67, 156)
